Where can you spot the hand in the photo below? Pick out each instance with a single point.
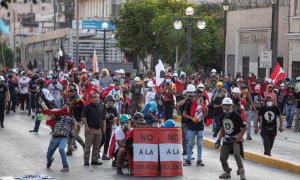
(256, 130)
(280, 129)
(103, 130)
(218, 144)
(87, 129)
(195, 120)
(240, 139)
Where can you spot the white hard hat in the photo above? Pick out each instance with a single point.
(227, 101)
(23, 72)
(236, 90)
(14, 71)
(50, 72)
(200, 85)
(117, 71)
(297, 78)
(213, 70)
(190, 88)
(2, 78)
(83, 70)
(121, 71)
(282, 85)
(150, 84)
(137, 79)
(269, 80)
(66, 75)
(182, 73)
(175, 75)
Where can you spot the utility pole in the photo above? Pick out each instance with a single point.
(77, 34)
(54, 15)
(14, 54)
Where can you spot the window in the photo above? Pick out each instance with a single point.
(245, 66)
(295, 69)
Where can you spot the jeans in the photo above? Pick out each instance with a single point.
(37, 122)
(184, 130)
(218, 124)
(60, 143)
(268, 138)
(191, 137)
(290, 111)
(248, 121)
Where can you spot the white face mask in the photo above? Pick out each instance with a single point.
(93, 83)
(269, 104)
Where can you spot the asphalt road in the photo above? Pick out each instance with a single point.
(24, 153)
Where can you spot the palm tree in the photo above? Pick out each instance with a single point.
(4, 3)
(177, 38)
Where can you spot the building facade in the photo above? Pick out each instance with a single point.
(249, 33)
(293, 37)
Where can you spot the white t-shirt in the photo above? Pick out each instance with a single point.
(150, 96)
(23, 85)
(119, 134)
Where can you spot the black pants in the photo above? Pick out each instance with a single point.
(268, 138)
(106, 140)
(169, 107)
(12, 103)
(2, 109)
(23, 98)
(218, 123)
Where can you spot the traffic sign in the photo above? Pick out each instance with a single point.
(265, 59)
(92, 25)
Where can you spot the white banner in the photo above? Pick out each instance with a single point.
(265, 59)
(145, 152)
(170, 152)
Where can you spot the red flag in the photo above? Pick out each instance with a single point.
(277, 74)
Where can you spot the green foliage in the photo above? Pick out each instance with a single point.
(145, 27)
(7, 54)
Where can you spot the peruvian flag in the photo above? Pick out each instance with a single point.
(277, 74)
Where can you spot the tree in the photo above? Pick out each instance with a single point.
(6, 55)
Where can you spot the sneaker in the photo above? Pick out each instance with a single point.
(69, 153)
(32, 131)
(49, 163)
(225, 175)
(200, 163)
(33, 117)
(184, 157)
(288, 127)
(96, 163)
(86, 163)
(249, 137)
(65, 169)
(119, 170)
(187, 163)
(105, 157)
(2, 126)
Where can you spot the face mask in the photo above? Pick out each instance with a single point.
(49, 76)
(90, 74)
(227, 112)
(199, 101)
(269, 104)
(168, 81)
(160, 102)
(93, 83)
(125, 126)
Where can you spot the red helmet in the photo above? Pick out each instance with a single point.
(168, 75)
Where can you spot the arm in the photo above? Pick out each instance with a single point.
(185, 115)
(280, 123)
(221, 133)
(181, 103)
(240, 137)
(256, 124)
(86, 126)
(121, 143)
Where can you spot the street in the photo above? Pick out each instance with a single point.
(24, 153)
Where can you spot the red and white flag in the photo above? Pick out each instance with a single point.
(95, 63)
(277, 74)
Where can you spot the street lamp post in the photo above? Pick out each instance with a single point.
(225, 5)
(178, 25)
(104, 27)
(274, 33)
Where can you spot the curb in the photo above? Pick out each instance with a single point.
(262, 159)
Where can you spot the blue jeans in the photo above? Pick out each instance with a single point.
(60, 143)
(191, 137)
(37, 122)
(290, 111)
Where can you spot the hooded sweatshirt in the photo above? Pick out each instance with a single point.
(272, 94)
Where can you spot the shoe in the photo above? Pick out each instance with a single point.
(7, 112)
(49, 163)
(69, 153)
(187, 163)
(225, 175)
(200, 163)
(65, 169)
(29, 114)
(288, 127)
(32, 131)
(33, 117)
(2, 126)
(74, 148)
(242, 174)
(105, 157)
(96, 163)
(184, 157)
(249, 137)
(119, 170)
(86, 163)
